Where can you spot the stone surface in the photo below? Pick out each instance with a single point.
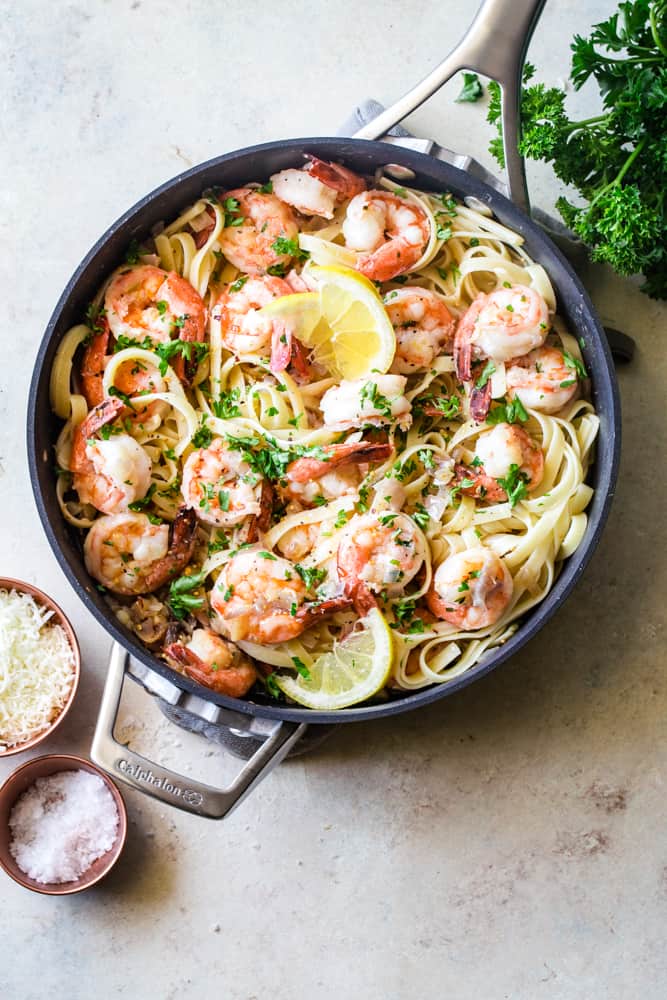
(507, 842)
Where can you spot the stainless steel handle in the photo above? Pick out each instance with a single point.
(162, 783)
(495, 45)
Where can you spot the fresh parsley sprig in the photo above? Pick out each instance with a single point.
(617, 160)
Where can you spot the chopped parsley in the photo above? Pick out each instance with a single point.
(301, 667)
(226, 405)
(341, 519)
(489, 369)
(575, 364)
(182, 599)
(311, 575)
(93, 315)
(271, 686)
(421, 516)
(237, 285)
(471, 91)
(266, 458)
(513, 412)
(231, 208)
(514, 484)
(113, 391)
(370, 393)
(203, 435)
(139, 505)
(134, 252)
(289, 248)
(188, 349)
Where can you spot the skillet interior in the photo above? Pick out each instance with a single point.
(256, 163)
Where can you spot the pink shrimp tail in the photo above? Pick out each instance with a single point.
(104, 413)
(181, 547)
(257, 524)
(92, 364)
(300, 361)
(302, 470)
(281, 347)
(480, 401)
(231, 681)
(202, 236)
(337, 177)
(484, 487)
(309, 613)
(388, 261)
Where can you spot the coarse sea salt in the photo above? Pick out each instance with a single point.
(61, 825)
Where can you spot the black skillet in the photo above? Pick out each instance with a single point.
(494, 45)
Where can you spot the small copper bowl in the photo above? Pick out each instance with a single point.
(21, 779)
(6, 583)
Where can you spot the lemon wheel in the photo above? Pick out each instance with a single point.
(354, 670)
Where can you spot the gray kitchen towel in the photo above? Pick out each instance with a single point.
(365, 113)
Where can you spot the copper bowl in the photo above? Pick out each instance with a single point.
(6, 583)
(21, 779)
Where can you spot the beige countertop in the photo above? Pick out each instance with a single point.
(507, 842)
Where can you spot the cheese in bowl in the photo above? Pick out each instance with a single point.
(39, 666)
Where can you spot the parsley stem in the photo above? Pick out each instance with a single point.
(622, 172)
(653, 21)
(573, 126)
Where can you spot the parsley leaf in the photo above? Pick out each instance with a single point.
(508, 413)
(226, 405)
(514, 484)
(203, 435)
(182, 599)
(301, 667)
(488, 371)
(472, 89)
(290, 248)
(311, 575)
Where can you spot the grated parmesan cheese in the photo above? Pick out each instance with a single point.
(61, 825)
(36, 668)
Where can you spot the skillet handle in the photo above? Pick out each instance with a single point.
(162, 783)
(494, 45)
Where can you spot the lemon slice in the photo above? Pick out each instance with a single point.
(352, 671)
(344, 323)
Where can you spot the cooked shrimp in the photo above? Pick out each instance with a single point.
(215, 663)
(505, 324)
(378, 552)
(542, 380)
(260, 597)
(135, 378)
(471, 589)
(496, 451)
(299, 541)
(109, 474)
(93, 361)
(333, 475)
(129, 555)
(220, 486)
(391, 232)
(146, 301)
(424, 327)
(245, 330)
(359, 402)
(249, 244)
(317, 187)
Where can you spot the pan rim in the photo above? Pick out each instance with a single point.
(573, 568)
